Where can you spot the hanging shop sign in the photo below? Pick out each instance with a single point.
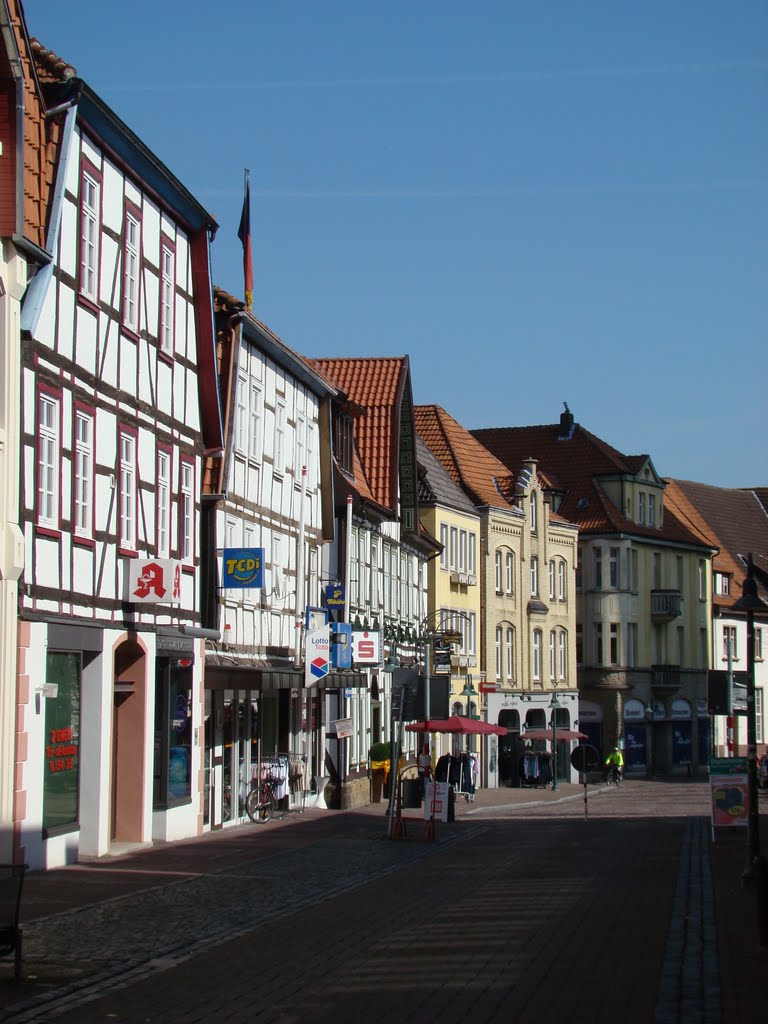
(243, 568)
(634, 711)
(317, 655)
(334, 597)
(366, 647)
(154, 580)
(315, 618)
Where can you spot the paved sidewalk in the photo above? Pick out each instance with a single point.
(104, 921)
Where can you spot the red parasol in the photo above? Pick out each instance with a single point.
(546, 734)
(457, 724)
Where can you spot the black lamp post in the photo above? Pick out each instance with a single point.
(554, 705)
(751, 603)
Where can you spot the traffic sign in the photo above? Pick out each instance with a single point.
(584, 757)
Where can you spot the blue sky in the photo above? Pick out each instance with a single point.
(538, 202)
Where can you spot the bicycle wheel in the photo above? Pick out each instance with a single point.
(259, 804)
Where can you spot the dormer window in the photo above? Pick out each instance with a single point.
(641, 508)
(343, 442)
(722, 584)
(651, 509)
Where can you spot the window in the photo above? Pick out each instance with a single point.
(598, 567)
(444, 542)
(163, 501)
(534, 520)
(127, 490)
(131, 265)
(702, 578)
(729, 643)
(614, 642)
(631, 644)
(499, 641)
(680, 651)
(722, 584)
(579, 578)
(48, 461)
(187, 512)
(534, 576)
(759, 714)
(599, 643)
(561, 587)
(453, 548)
(631, 569)
(536, 655)
(83, 471)
(173, 734)
(462, 550)
(656, 570)
(90, 217)
(279, 453)
(343, 441)
(563, 653)
(641, 507)
(375, 596)
(167, 300)
(472, 555)
(579, 644)
(61, 767)
(498, 572)
(299, 447)
(651, 509)
(553, 656)
(510, 653)
(680, 573)
(255, 418)
(613, 568)
(552, 580)
(510, 573)
(758, 644)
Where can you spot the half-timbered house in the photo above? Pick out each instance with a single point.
(119, 404)
(267, 512)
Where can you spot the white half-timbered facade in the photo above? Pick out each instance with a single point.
(119, 403)
(267, 507)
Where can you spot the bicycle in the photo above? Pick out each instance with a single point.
(614, 776)
(261, 801)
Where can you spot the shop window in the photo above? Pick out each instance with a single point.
(173, 733)
(61, 773)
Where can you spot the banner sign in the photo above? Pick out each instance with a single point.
(317, 655)
(366, 647)
(730, 794)
(243, 567)
(436, 801)
(154, 580)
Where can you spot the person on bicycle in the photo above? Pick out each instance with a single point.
(615, 763)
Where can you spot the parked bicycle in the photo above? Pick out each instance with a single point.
(261, 802)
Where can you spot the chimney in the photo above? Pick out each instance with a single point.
(566, 424)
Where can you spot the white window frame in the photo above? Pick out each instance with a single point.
(613, 568)
(444, 542)
(241, 414)
(48, 460)
(552, 579)
(730, 633)
(534, 513)
(561, 584)
(552, 656)
(499, 641)
(131, 271)
(187, 511)
(128, 490)
(562, 641)
(90, 227)
(534, 576)
(454, 548)
(497, 566)
(472, 554)
(509, 572)
(509, 640)
(83, 473)
(651, 509)
(167, 300)
(536, 645)
(641, 508)
(280, 418)
(163, 501)
(255, 419)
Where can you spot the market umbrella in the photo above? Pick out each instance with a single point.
(459, 725)
(546, 734)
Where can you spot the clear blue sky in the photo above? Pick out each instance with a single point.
(538, 202)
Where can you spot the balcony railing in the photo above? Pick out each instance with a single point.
(665, 677)
(666, 605)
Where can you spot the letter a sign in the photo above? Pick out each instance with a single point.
(317, 655)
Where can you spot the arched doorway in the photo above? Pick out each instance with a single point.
(129, 716)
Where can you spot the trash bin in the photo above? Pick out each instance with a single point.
(411, 792)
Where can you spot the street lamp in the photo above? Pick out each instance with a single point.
(554, 705)
(751, 603)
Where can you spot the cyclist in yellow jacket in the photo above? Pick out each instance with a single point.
(615, 764)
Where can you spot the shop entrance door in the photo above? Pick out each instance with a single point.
(231, 753)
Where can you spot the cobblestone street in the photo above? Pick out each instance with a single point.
(521, 910)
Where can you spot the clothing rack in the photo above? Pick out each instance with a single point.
(288, 775)
(459, 771)
(536, 768)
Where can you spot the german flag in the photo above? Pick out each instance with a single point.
(244, 234)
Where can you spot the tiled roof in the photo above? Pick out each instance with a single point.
(732, 519)
(577, 463)
(377, 386)
(436, 483)
(482, 476)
